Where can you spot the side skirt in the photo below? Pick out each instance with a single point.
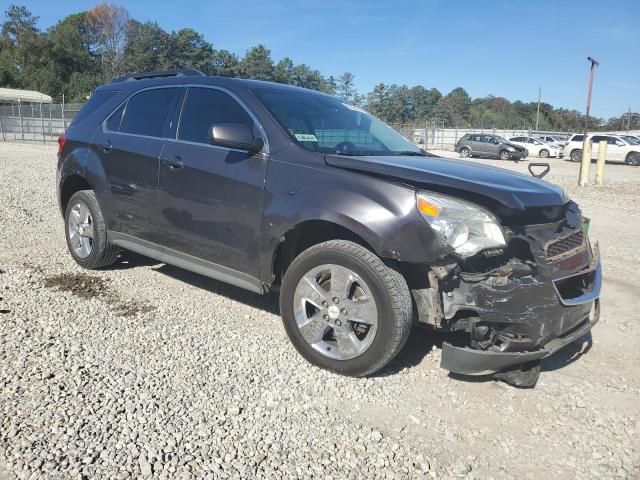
(188, 262)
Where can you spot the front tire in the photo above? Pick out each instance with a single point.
(344, 310)
(86, 232)
(465, 152)
(576, 155)
(544, 153)
(505, 155)
(633, 159)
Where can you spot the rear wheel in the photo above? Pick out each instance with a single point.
(544, 153)
(633, 159)
(576, 155)
(465, 153)
(505, 155)
(345, 310)
(86, 232)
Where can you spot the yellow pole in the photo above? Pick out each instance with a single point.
(602, 157)
(586, 162)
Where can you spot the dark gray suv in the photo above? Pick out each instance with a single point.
(492, 146)
(279, 189)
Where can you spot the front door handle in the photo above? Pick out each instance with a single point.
(106, 146)
(174, 163)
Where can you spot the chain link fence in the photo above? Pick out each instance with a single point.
(33, 122)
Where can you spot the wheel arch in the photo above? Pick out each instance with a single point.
(71, 184)
(309, 233)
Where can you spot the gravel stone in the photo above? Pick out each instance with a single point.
(145, 370)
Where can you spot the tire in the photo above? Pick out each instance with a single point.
(465, 152)
(505, 155)
(544, 153)
(576, 155)
(633, 159)
(92, 250)
(385, 290)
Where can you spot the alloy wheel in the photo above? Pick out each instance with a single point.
(335, 311)
(80, 226)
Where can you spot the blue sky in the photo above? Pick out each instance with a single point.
(504, 48)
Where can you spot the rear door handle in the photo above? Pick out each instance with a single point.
(174, 163)
(106, 146)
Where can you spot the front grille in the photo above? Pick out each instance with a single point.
(565, 245)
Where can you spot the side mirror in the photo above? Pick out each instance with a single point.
(234, 135)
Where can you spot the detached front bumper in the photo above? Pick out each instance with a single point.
(524, 319)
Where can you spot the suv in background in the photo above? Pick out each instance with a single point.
(553, 140)
(274, 188)
(492, 146)
(619, 148)
(537, 147)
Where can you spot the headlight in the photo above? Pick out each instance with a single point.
(510, 148)
(464, 226)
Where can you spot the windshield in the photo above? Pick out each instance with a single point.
(325, 124)
(632, 140)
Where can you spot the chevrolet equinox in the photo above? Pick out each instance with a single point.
(274, 188)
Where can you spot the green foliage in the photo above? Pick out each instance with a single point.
(86, 49)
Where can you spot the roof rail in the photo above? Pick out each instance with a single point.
(182, 72)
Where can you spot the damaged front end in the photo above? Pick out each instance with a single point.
(518, 304)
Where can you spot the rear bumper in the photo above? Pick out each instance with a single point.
(524, 320)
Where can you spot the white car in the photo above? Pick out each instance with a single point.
(537, 148)
(553, 140)
(619, 148)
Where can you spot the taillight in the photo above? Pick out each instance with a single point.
(61, 141)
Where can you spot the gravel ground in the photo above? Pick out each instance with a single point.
(147, 370)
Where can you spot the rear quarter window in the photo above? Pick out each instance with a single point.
(96, 100)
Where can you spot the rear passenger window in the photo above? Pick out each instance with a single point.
(146, 112)
(96, 100)
(204, 107)
(113, 122)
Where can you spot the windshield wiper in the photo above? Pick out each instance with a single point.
(410, 153)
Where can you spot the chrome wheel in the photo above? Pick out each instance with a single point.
(504, 155)
(335, 311)
(465, 152)
(80, 226)
(544, 153)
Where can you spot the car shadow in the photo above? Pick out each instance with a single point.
(128, 259)
(268, 302)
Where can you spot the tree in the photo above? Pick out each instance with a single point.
(345, 88)
(189, 49)
(148, 48)
(109, 26)
(224, 63)
(454, 107)
(257, 64)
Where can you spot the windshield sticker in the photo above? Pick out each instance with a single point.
(305, 137)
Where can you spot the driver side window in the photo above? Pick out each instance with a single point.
(204, 107)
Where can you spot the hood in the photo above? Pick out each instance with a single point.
(511, 189)
(520, 148)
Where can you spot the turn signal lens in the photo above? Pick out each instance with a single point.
(427, 208)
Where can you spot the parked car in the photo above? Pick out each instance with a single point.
(274, 188)
(537, 148)
(492, 146)
(553, 140)
(618, 148)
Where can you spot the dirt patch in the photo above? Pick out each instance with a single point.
(87, 286)
(80, 284)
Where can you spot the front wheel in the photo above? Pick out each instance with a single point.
(576, 155)
(345, 310)
(465, 152)
(505, 155)
(544, 153)
(633, 159)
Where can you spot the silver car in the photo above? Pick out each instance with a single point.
(492, 146)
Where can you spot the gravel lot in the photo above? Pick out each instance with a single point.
(147, 370)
